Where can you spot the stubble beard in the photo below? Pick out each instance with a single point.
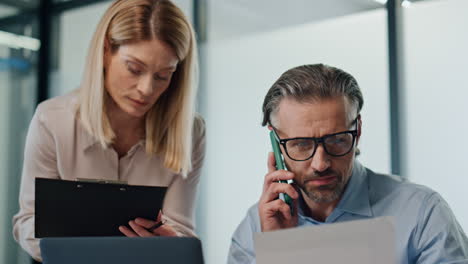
(326, 193)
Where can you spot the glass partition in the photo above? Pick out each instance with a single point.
(19, 47)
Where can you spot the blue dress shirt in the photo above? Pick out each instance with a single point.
(426, 229)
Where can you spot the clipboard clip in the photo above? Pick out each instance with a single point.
(102, 181)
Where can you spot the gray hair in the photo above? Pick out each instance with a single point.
(311, 82)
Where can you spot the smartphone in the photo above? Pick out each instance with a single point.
(280, 166)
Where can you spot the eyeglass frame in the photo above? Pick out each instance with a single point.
(318, 140)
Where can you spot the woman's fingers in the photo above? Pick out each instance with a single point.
(145, 222)
(140, 230)
(127, 232)
(165, 230)
(141, 227)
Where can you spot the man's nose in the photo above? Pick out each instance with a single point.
(321, 159)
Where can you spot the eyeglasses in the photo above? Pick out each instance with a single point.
(304, 148)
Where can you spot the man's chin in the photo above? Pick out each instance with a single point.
(322, 195)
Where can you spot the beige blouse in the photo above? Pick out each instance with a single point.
(57, 146)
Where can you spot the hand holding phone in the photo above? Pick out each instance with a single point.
(280, 166)
(275, 213)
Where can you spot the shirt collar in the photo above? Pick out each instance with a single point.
(87, 139)
(90, 141)
(355, 199)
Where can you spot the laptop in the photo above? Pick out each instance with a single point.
(121, 250)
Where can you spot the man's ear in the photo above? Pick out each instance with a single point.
(359, 128)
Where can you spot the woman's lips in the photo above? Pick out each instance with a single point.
(138, 102)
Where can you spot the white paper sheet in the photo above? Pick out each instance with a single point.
(356, 242)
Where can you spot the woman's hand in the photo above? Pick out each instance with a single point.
(141, 227)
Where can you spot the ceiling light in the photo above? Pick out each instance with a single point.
(18, 41)
(383, 2)
(406, 3)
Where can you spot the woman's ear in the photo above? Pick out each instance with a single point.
(106, 45)
(107, 54)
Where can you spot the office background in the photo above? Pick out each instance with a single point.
(409, 58)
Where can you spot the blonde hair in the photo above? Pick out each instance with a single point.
(169, 123)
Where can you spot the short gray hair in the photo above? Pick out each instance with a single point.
(311, 82)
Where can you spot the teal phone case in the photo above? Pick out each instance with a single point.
(280, 166)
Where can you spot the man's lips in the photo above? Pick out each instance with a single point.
(321, 180)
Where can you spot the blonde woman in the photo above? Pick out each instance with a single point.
(132, 118)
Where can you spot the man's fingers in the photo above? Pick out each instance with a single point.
(275, 189)
(271, 162)
(278, 206)
(285, 211)
(274, 175)
(280, 175)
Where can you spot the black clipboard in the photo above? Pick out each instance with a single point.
(82, 208)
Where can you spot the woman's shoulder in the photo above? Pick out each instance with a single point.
(198, 126)
(57, 111)
(198, 122)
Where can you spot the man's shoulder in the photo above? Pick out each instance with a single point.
(253, 218)
(242, 243)
(401, 188)
(250, 223)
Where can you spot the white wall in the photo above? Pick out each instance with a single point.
(75, 32)
(436, 42)
(238, 73)
(230, 19)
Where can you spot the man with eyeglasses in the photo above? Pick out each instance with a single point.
(314, 111)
